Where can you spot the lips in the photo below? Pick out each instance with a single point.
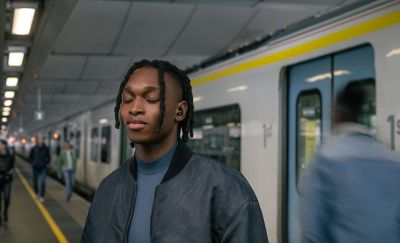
(136, 124)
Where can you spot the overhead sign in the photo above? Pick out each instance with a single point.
(38, 115)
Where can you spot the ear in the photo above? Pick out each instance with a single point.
(181, 111)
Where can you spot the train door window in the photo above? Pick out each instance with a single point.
(94, 143)
(357, 65)
(105, 144)
(368, 113)
(309, 128)
(78, 144)
(217, 133)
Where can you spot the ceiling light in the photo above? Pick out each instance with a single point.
(103, 121)
(9, 94)
(238, 88)
(319, 77)
(7, 102)
(6, 113)
(393, 52)
(22, 21)
(7, 109)
(323, 76)
(15, 59)
(4, 127)
(4, 119)
(197, 98)
(12, 81)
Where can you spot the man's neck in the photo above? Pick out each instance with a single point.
(150, 152)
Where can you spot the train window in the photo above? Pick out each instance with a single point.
(94, 143)
(367, 116)
(58, 146)
(357, 65)
(217, 133)
(78, 144)
(105, 144)
(368, 113)
(308, 129)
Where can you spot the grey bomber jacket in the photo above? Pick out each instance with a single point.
(198, 201)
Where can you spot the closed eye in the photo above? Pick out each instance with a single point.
(153, 101)
(126, 98)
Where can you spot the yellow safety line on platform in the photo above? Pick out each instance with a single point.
(56, 230)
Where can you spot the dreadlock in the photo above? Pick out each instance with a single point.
(185, 128)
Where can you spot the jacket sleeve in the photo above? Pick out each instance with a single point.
(48, 157)
(247, 226)
(85, 238)
(31, 155)
(12, 163)
(315, 212)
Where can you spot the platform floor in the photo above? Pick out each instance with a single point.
(30, 221)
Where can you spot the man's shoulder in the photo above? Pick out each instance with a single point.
(114, 176)
(221, 175)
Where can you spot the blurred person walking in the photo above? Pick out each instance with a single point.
(6, 171)
(351, 192)
(68, 165)
(39, 157)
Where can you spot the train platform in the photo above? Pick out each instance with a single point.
(54, 220)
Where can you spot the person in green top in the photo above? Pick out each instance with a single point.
(68, 165)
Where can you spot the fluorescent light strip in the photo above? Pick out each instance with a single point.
(11, 81)
(9, 94)
(237, 88)
(8, 102)
(15, 59)
(22, 21)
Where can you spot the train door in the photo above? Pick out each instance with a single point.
(312, 88)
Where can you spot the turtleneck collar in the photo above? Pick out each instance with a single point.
(157, 165)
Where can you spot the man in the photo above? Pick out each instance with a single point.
(6, 170)
(351, 193)
(67, 164)
(166, 193)
(39, 158)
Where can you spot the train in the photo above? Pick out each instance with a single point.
(265, 108)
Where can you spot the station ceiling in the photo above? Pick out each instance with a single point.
(80, 49)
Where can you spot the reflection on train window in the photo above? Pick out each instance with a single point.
(216, 134)
(78, 144)
(105, 144)
(94, 143)
(308, 130)
(367, 116)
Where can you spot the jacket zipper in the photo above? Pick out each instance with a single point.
(151, 215)
(130, 215)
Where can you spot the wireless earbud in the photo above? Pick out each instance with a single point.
(180, 111)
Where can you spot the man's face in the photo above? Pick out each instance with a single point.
(140, 107)
(41, 140)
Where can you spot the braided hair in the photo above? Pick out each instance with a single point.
(185, 127)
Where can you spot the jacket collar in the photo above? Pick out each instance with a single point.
(180, 158)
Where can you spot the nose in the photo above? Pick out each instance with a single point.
(136, 108)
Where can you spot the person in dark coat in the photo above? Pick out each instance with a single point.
(6, 171)
(165, 192)
(39, 157)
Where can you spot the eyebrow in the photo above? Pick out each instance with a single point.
(147, 89)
